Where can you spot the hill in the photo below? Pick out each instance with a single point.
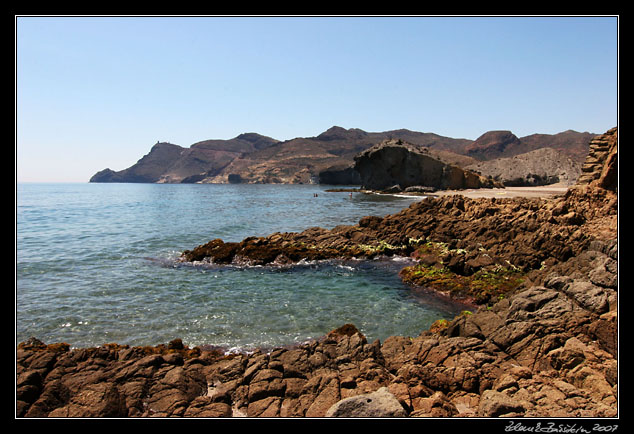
(539, 167)
(254, 158)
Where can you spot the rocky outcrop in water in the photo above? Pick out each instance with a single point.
(543, 345)
(545, 351)
(398, 163)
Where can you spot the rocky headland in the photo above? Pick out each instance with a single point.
(326, 158)
(541, 340)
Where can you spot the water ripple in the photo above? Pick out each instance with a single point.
(98, 263)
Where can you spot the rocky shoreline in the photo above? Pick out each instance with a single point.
(543, 342)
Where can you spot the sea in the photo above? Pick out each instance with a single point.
(99, 263)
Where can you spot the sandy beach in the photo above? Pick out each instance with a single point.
(544, 191)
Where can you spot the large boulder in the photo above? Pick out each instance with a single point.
(376, 404)
(394, 162)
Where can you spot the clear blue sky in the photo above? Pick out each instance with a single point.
(97, 92)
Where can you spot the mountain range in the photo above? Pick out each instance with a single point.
(254, 158)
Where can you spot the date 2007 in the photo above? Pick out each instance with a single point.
(552, 427)
(606, 428)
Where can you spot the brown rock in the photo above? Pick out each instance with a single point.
(372, 405)
(496, 404)
(202, 406)
(437, 405)
(266, 407)
(327, 395)
(95, 400)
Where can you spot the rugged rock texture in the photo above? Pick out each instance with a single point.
(394, 162)
(381, 403)
(540, 167)
(546, 346)
(546, 351)
(601, 165)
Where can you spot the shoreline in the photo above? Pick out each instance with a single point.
(542, 344)
(546, 348)
(542, 191)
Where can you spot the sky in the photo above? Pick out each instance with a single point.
(96, 92)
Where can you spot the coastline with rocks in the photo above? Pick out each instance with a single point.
(542, 342)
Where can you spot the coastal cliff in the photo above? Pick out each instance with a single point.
(541, 340)
(401, 164)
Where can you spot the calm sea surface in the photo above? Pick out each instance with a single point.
(97, 263)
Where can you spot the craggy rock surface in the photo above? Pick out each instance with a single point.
(539, 167)
(397, 163)
(542, 343)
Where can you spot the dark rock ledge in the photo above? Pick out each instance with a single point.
(543, 342)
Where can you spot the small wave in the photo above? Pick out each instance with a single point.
(401, 195)
(401, 259)
(239, 263)
(346, 267)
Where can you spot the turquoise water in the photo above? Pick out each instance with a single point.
(97, 263)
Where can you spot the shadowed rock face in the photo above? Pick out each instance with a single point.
(394, 162)
(340, 175)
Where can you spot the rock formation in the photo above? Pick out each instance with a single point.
(540, 167)
(394, 162)
(340, 175)
(542, 342)
(601, 165)
(260, 159)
